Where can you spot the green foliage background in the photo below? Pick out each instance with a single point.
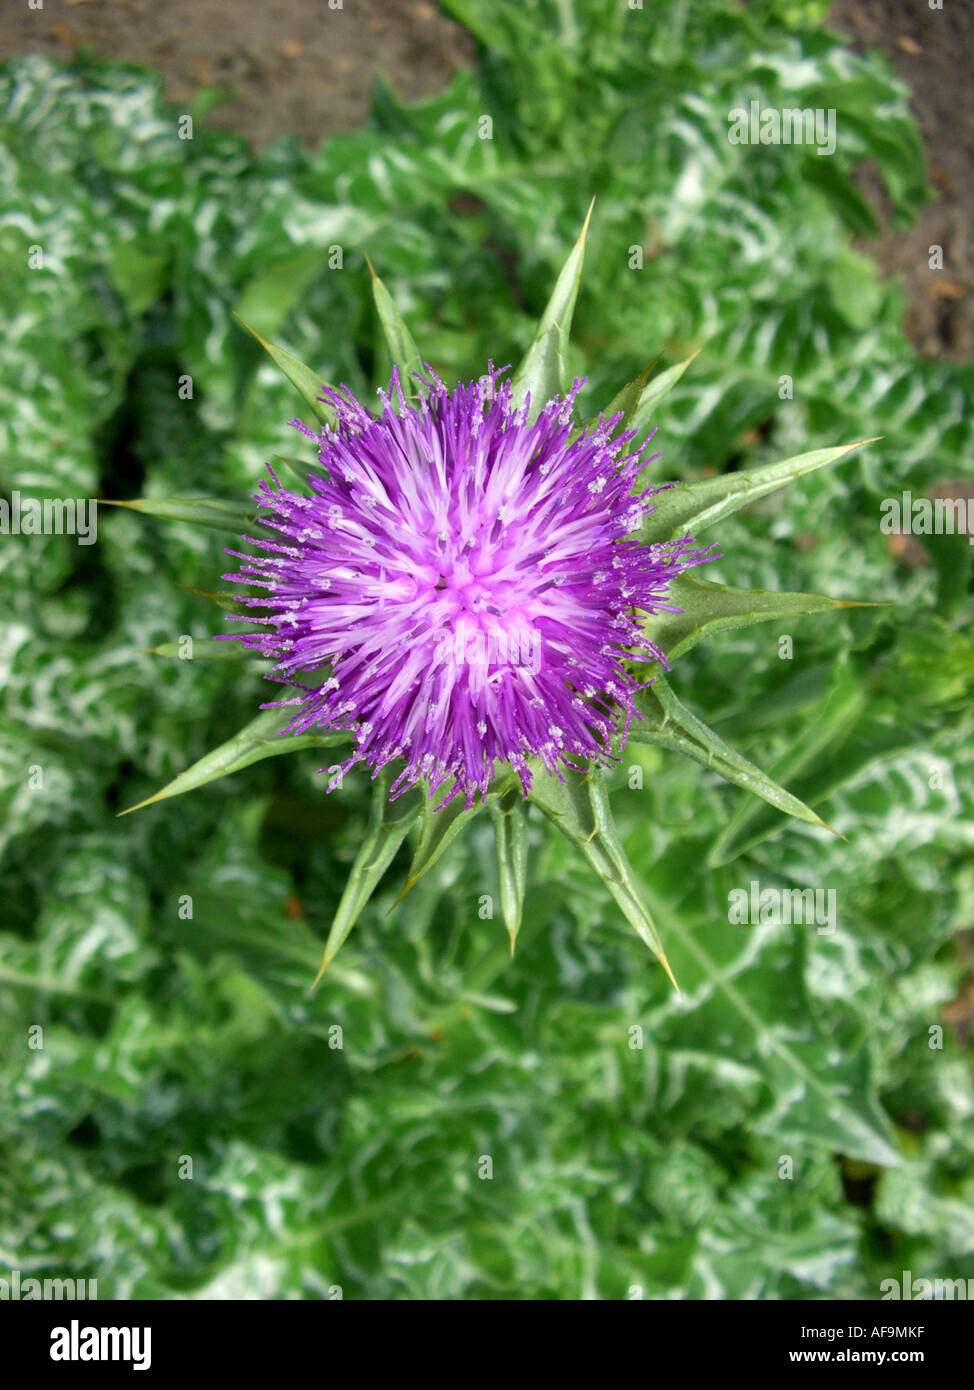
(614, 1166)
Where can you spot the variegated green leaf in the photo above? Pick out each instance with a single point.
(277, 288)
(402, 346)
(669, 724)
(509, 813)
(695, 506)
(214, 512)
(844, 761)
(308, 383)
(789, 1057)
(711, 608)
(544, 372)
(389, 824)
(261, 738)
(580, 809)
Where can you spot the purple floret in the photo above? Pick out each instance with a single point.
(461, 589)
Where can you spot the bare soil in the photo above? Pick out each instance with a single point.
(931, 51)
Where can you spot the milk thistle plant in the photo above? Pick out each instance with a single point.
(475, 596)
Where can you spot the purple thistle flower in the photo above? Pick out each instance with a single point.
(461, 588)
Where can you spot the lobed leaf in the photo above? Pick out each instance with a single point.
(836, 1105)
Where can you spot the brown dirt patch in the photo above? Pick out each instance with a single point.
(931, 51)
(293, 65)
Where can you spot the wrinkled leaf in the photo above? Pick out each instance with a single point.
(790, 1052)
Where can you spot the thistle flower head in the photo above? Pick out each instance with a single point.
(461, 587)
